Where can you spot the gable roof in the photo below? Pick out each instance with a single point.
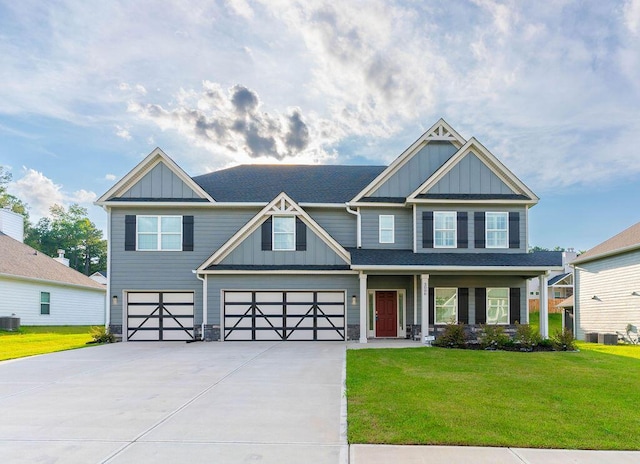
(440, 131)
(520, 190)
(154, 158)
(627, 240)
(302, 183)
(281, 204)
(20, 260)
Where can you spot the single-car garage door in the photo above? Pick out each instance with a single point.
(284, 315)
(157, 316)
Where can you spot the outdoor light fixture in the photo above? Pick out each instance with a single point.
(114, 300)
(354, 300)
(594, 297)
(635, 294)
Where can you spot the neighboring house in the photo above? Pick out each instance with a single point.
(559, 286)
(100, 277)
(607, 285)
(264, 252)
(41, 290)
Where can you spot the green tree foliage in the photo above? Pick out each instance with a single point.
(10, 201)
(72, 231)
(539, 248)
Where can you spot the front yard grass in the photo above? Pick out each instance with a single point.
(580, 400)
(32, 340)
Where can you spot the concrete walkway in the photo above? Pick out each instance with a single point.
(174, 402)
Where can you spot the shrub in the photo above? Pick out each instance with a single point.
(527, 337)
(453, 336)
(563, 340)
(492, 337)
(100, 334)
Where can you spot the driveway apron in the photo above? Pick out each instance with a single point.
(267, 402)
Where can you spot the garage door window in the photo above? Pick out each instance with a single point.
(160, 233)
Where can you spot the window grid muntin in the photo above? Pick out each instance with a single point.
(159, 233)
(284, 233)
(444, 229)
(386, 231)
(498, 306)
(497, 229)
(45, 303)
(445, 303)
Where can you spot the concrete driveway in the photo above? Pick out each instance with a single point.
(174, 402)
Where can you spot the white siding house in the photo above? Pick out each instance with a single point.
(607, 285)
(41, 290)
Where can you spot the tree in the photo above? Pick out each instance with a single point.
(539, 248)
(10, 201)
(72, 231)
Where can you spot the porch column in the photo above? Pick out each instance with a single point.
(363, 307)
(424, 305)
(544, 306)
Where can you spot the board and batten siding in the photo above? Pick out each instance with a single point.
(522, 210)
(612, 280)
(160, 182)
(416, 170)
(403, 225)
(169, 270)
(338, 223)
(250, 252)
(341, 282)
(68, 305)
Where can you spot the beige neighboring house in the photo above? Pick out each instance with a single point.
(607, 285)
(41, 290)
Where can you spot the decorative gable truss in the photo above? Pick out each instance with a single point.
(159, 179)
(473, 174)
(282, 205)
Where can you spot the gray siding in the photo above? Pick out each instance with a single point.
(403, 223)
(160, 182)
(250, 252)
(169, 270)
(470, 225)
(337, 222)
(470, 175)
(612, 280)
(417, 170)
(343, 282)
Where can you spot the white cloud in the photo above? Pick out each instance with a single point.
(110, 177)
(632, 16)
(123, 132)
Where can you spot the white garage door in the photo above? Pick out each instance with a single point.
(284, 315)
(158, 316)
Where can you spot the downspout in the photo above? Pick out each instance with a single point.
(358, 224)
(107, 302)
(204, 302)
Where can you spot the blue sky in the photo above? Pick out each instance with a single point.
(551, 88)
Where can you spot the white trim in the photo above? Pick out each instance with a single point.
(415, 299)
(273, 232)
(107, 299)
(364, 307)
(486, 315)
(356, 213)
(424, 307)
(182, 204)
(52, 282)
(455, 229)
(415, 229)
(381, 229)
(435, 305)
(142, 168)
(606, 254)
(276, 271)
(467, 202)
(400, 268)
(375, 204)
(281, 203)
(486, 231)
(159, 232)
(400, 329)
(321, 205)
(433, 133)
(493, 163)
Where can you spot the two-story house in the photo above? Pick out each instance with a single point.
(292, 252)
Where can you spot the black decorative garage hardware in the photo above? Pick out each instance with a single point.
(163, 313)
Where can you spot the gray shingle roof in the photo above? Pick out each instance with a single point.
(472, 196)
(557, 278)
(303, 183)
(362, 257)
(627, 240)
(18, 259)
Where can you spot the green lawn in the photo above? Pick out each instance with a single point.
(31, 340)
(555, 322)
(583, 400)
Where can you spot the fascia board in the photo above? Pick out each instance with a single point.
(275, 271)
(510, 269)
(496, 201)
(53, 282)
(385, 205)
(606, 254)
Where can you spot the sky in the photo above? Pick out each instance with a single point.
(89, 88)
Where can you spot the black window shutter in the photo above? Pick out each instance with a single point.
(301, 235)
(514, 305)
(266, 234)
(481, 305)
(187, 233)
(130, 232)
(463, 231)
(432, 302)
(463, 305)
(478, 227)
(427, 229)
(514, 229)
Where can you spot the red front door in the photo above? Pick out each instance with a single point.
(386, 314)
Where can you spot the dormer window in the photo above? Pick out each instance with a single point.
(284, 233)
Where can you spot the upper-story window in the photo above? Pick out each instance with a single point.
(45, 303)
(497, 306)
(497, 230)
(159, 233)
(444, 229)
(386, 228)
(284, 233)
(446, 305)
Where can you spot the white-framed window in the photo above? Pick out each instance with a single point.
(497, 305)
(445, 305)
(386, 228)
(159, 233)
(497, 230)
(444, 229)
(284, 233)
(45, 303)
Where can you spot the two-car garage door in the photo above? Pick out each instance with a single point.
(159, 316)
(284, 315)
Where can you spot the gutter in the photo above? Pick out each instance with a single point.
(358, 224)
